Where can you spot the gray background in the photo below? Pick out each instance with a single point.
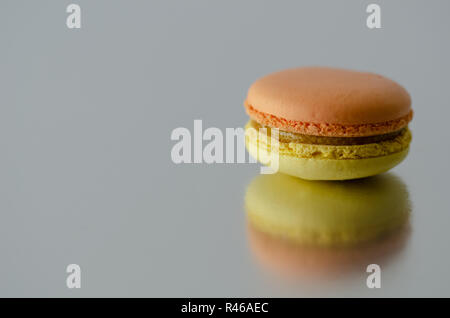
(85, 122)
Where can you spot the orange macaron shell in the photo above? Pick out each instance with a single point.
(329, 102)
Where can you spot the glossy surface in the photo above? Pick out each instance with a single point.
(86, 174)
(327, 213)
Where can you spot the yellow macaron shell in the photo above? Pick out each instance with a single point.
(325, 212)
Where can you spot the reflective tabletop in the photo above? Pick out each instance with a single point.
(87, 176)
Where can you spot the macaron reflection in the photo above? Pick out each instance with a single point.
(299, 226)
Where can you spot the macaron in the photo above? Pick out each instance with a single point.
(332, 124)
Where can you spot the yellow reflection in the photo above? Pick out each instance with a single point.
(297, 225)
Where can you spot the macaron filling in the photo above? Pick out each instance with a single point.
(392, 143)
(286, 136)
